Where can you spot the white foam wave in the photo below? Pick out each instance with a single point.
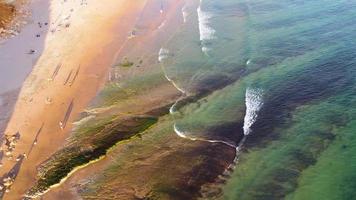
(179, 132)
(206, 32)
(248, 62)
(172, 109)
(184, 134)
(184, 13)
(175, 85)
(253, 100)
(162, 25)
(163, 54)
(83, 120)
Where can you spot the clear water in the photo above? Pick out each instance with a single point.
(296, 61)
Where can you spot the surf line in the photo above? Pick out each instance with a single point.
(253, 101)
(206, 31)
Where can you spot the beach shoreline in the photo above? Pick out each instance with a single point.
(46, 99)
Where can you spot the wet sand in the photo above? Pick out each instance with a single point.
(81, 33)
(158, 29)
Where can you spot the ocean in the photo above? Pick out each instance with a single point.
(279, 76)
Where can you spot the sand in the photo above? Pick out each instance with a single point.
(147, 45)
(81, 35)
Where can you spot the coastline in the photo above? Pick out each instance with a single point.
(33, 108)
(129, 186)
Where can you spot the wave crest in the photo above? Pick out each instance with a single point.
(253, 101)
(163, 54)
(206, 32)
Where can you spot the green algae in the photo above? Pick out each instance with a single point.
(90, 145)
(159, 165)
(114, 92)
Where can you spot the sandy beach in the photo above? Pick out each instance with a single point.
(78, 43)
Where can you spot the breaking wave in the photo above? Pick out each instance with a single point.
(248, 62)
(163, 54)
(206, 32)
(162, 25)
(253, 101)
(184, 134)
(184, 13)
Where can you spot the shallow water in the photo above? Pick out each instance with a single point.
(301, 56)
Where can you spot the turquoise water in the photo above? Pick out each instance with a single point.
(300, 57)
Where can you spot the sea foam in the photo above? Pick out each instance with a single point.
(253, 101)
(206, 32)
(163, 54)
(184, 13)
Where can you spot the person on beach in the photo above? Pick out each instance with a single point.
(61, 125)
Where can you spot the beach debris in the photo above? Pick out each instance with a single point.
(9, 178)
(126, 63)
(8, 181)
(48, 100)
(10, 144)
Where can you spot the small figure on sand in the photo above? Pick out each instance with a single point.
(55, 72)
(61, 125)
(32, 51)
(71, 82)
(132, 34)
(161, 10)
(63, 122)
(18, 158)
